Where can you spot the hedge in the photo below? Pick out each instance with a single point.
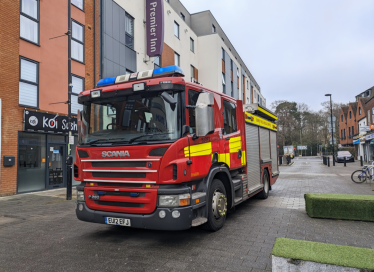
(334, 206)
(361, 258)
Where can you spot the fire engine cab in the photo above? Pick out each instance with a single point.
(158, 152)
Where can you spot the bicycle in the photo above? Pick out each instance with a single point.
(360, 176)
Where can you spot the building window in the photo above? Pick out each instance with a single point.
(229, 117)
(78, 87)
(223, 83)
(232, 65)
(176, 29)
(223, 54)
(78, 3)
(192, 72)
(213, 29)
(129, 27)
(342, 118)
(350, 115)
(157, 62)
(28, 83)
(192, 45)
(359, 111)
(247, 85)
(77, 41)
(192, 100)
(29, 20)
(176, 59)
(232, 89)
(237, 72)
(183, 17)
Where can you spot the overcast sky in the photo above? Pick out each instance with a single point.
(299, 50)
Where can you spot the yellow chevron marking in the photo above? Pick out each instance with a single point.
(198, 150)
(243, 158)
(235, 144)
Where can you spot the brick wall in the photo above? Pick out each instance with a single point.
(167, 57)
(89, 6)
(11, 115)
(351, 122)
(342, 126)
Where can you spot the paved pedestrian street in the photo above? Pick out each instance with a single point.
(40, 232)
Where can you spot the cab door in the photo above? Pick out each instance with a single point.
(231, 135)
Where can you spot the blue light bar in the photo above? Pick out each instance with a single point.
(170, 70)
(106, 81)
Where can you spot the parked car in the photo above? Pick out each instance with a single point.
(339, 157)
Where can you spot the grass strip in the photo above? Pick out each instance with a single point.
(335, 206)
(360, 258)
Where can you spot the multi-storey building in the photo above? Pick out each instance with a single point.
(195, 42)
(34, 79)
(108, 39)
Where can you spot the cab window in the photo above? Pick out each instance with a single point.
(229, 117)
(192, 100)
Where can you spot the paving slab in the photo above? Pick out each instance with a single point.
(40, 232)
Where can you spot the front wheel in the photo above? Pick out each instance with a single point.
(217, 205)
(358, 176)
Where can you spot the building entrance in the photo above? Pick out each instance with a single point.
(56, 177)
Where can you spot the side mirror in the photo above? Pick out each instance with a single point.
(204, 115)
(171, 100)
(185, 130)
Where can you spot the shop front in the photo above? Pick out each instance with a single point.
(369, 147)
(42, 151)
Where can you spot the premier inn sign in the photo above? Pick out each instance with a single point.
(155, 27)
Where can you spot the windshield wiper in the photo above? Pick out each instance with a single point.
(141, 136)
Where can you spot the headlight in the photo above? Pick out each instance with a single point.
(80, 195)
(174, 200)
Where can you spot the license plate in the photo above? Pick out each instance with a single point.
(118, 221)
(95, 197)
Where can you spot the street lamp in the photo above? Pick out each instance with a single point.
(332, 131)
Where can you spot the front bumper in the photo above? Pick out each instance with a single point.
(143, 221)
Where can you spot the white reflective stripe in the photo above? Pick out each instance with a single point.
(120, 171)
(124, 160)
(118, 181)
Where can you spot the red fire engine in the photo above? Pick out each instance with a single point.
(158, 152)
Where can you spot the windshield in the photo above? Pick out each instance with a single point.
(143, 117)
(343, 153)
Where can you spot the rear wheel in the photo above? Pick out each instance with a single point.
(217, 205)
(358, 176)
(265, 192)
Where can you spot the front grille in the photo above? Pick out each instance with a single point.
(108, 184)
(118, 175)
(106, 193)
(119, 164)
(120, 204)
(175, 172)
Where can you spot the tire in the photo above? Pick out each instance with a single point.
(265, 192)
(356, 176)
(216, 215)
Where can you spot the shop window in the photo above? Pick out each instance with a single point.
(28, 83)
(78, 3)
(129, 27)
(176, 29)
(78, 87)
(29, 20)
(31, 162)
(77, 41)
(229, 117)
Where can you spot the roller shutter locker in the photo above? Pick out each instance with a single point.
(253, 162)
(274, 153)
(265, 144)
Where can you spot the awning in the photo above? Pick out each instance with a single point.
(356, 142)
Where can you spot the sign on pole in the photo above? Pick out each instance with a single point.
(332, 142)
(302, 147)
(333, 118)
(155, 27)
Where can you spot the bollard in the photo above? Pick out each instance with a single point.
(280, 160)
(362, 164)
(69, 184)
(328, 161)
(333, 159)
(345, 162)
(324, 160)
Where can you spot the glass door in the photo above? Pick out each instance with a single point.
(56, 166)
